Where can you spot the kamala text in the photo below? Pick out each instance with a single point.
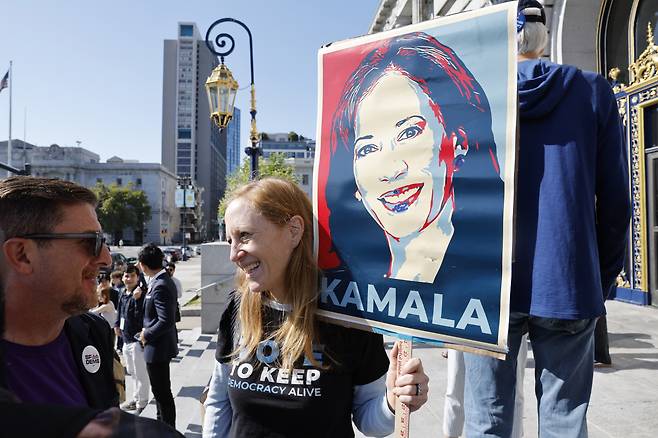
(387, 305)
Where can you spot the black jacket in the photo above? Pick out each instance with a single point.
(160, 320)
(131, 311)
(92, 330)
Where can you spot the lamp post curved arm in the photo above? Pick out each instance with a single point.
(226, 44)
(221, 38)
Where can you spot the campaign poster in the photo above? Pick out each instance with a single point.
(414, 180)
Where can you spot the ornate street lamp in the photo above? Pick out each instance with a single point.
(222, 88)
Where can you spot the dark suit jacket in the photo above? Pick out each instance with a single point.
(159, 320)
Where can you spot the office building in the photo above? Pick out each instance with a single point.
(191, 144)
(231, 137)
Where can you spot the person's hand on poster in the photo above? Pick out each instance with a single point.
(411, 386)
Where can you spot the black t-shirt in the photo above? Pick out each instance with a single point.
(307, 401)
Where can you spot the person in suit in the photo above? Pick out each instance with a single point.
(158, 335)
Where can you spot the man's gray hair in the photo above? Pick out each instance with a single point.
(532, 38)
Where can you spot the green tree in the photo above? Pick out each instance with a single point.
(292, 136)
(121, 207)
(138, 202)
(275, 165)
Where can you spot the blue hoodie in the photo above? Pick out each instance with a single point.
(573, 206)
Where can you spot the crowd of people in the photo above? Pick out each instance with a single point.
(280, 371)
(61, 350)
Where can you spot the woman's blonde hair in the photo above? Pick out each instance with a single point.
(279, 200)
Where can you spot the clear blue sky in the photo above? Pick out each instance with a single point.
(92, 71)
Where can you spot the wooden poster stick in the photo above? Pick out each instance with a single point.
(402, 410)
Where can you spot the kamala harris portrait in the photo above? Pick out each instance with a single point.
(409, 185)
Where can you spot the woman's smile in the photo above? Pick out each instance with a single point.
(251, 268)
(399, 200)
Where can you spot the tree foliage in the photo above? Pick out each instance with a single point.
(275, 165)
(292, 136)
(121, 207)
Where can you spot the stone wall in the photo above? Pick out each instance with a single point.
(215, 268)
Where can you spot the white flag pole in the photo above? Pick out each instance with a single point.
(11, 82)
(24, 135)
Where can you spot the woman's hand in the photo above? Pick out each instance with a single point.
(412, 384)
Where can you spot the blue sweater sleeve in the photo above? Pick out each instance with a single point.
(370, 411)
(218, 417)
(613, 209)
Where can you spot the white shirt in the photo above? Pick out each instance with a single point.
(179, 286)
(107, 311)
(152, 279)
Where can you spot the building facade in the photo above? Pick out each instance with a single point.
(232, 138)
(192, 145)
(84, 167)
(299, 147)
(303, 168)
(299, 153)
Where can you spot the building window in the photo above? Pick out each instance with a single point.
(186, 153)
(186, 30)
(184, 133)
(305, 179)
(139, 181)
(119, 181)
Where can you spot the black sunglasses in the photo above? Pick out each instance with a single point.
(94, 241)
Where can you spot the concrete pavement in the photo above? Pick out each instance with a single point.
(624, 398)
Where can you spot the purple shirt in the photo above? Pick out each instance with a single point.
(44, 374)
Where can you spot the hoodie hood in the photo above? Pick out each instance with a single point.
(541, 86)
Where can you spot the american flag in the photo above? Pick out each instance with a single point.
(5, 81)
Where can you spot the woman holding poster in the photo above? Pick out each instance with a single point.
(414, 127)
(280, 371)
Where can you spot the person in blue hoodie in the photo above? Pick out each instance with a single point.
(572, 216)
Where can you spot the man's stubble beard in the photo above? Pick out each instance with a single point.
(79, 304)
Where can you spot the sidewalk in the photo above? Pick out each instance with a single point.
(624, 398)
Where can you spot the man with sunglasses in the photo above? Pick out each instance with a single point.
(51, 251)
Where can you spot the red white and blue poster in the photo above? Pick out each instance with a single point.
(414, 180)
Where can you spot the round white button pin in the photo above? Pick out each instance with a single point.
(91, 359)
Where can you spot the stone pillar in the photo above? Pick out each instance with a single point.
(574, 27)
(215, 268)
